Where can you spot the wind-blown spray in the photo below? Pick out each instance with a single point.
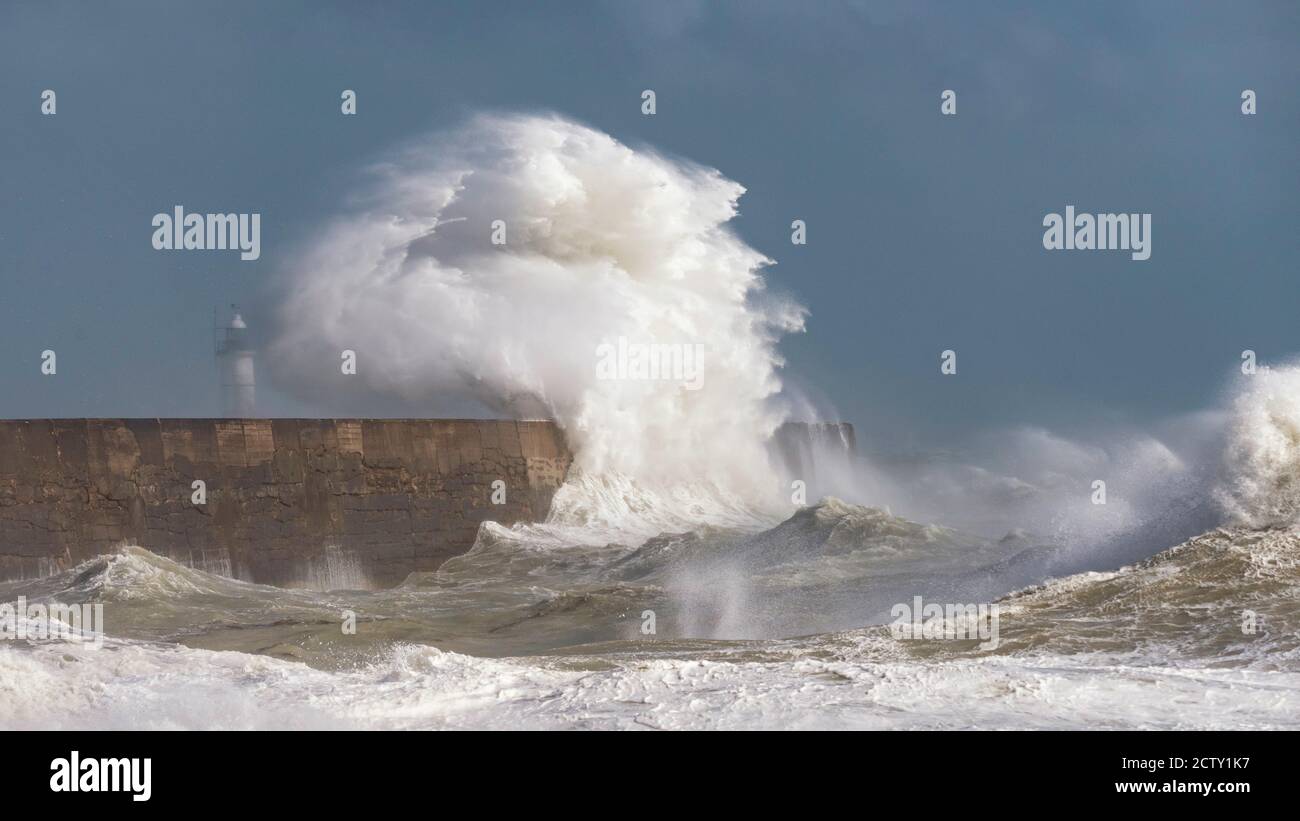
(598, 246)
(1261, 482)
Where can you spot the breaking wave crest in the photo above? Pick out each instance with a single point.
(1261, 476)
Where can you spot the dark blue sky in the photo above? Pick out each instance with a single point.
(924, 231)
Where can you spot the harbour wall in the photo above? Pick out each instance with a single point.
(290, 502)
(324, 503)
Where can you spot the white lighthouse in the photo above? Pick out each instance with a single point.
(235, 368)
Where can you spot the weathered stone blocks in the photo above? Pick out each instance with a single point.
(401, 494)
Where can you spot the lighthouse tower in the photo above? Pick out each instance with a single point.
(235, 367)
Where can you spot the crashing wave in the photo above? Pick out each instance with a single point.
(1261, 475)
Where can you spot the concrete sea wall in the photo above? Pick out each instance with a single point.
(312, 502)
(325, 503)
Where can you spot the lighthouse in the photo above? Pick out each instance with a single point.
(235, 368)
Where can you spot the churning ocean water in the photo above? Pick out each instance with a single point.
(786, 626)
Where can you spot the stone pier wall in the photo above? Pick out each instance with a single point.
(295, 502)
(283, 495)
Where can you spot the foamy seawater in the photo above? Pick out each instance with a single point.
(130, 685)
(784, 626)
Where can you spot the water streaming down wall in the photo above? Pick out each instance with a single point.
(336, 569)
(22, 568)
(215, 561)
(820, 454)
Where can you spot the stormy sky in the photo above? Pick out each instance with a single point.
(924, 231)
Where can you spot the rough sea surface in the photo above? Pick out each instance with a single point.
(778, 627)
